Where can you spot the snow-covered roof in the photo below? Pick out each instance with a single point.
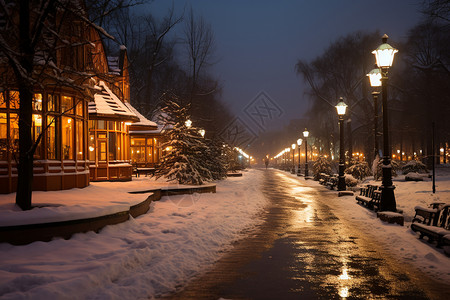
(147, 132)
(107, 105)
(144, 123)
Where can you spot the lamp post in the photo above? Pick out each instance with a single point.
(341, 108)
(305, 135)
(375, 81)
(384, 55)
(287, 158)
(299, 143)
(293, 158)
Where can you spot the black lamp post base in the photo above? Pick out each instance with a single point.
(387, 202)
(341, 178)
(341, 183)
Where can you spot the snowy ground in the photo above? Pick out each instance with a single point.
(149, 255)
(179, 237)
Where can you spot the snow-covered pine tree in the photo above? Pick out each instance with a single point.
(321, 165)
(217, 161)
(184, 160)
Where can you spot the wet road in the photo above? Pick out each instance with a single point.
(304, 251)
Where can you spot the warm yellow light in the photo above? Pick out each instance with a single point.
(188, 123)
(293, 146)
(305, 133)
(91, 148)
(442, 149)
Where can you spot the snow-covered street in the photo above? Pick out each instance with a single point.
(182, 236)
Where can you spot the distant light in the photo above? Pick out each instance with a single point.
(305, 133)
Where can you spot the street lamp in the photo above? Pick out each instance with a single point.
(188, 123)
(299, 143)
(293, 158)
(202, 132)
(305, 135)
(375, 81)
(384, 55)
(287, 158)
(341, 108)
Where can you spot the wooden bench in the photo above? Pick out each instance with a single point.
(145, 171)
(366, 194)
(433, 223)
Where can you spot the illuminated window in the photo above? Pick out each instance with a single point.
(67, 138)
(102, 151)
(138, 150)
(3, 137)
(36, 131)
(92, 147)
(112, 145)
(2, 101)
(79, 143)
(67, 105)
(79, 108)
(52, 102)
(14, 134)
(52, 141)
(14, 100)
(37, 102)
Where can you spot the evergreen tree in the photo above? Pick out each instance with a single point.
(185, 160)
(321, 165)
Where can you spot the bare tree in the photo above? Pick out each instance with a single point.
(31, 36)
(341, 72)
(200, 45)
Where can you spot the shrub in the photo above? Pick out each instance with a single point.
(321, 165)
(359, 170)
(414, 166)
(350, 180)
(379, 170)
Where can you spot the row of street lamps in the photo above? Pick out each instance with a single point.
(384, 56)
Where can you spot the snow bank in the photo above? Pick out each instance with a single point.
(146, 256)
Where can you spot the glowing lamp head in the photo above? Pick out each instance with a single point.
(188, 123)
(384, 54)
(305, 133)
(375, 77)
(293, 146)
(341, 107)
(299, 142)
(202, 132)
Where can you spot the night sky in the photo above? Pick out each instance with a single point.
(258, 43)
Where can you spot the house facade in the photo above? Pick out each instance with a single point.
(83, 136)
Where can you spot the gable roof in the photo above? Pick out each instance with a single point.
(107, 105)
(143, 124)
